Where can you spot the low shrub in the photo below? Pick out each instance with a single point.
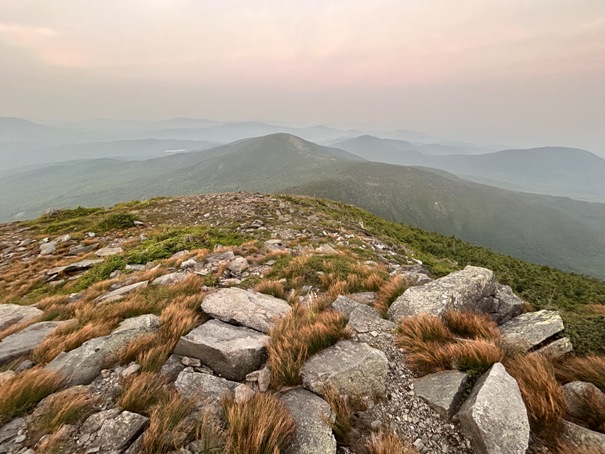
(116, 221)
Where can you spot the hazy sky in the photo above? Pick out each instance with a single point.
(501, 71)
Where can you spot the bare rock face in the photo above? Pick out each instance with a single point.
(443, 391)
(244, 307)
(502, 306)
(353, 368)
(580, 397)
(208, 390)
(23, 342)
(311, 413)
(83, 364)
(494, 417)
(231, 351)
(14, 313)
(531, 329)
(460, 290)
(345, 305)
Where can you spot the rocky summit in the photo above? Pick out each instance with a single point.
(247, 323)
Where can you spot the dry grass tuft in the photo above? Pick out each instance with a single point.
(422, 332)
(593, 410)
(141, 392)
(471, 325)
(588, 368)
(273, 288)
(260, 426)
(389, 292)
(297, 336)
(386, 442)
(541, 393)
(596, 308)
(344, 415)
(23, 392)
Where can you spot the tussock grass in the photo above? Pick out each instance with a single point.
(389, 292)
(432, 347)
(141, 392)
(273, 288)
(471, 325)
(588, 368)
(65, 407)
(343, 423)
(386, 442)
(23, 392)
(300, 334)
(260, 426)
(541, 393)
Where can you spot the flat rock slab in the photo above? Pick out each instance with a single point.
(494, 417)
(311, 413)
(353, 368)
(23, 342)
(207, 390)
(83, 364)
(365, 319)
(556, 349)
(582, 438)
(74, 267)
(108, 251)
(14, 313)
(443, 391)
(118, 433)
(170, 279)
(244, 307)
(121, 292)
(460, 290)
(231, 351)
(345, 305)
(531, 329)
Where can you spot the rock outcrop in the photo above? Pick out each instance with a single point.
(531, 329)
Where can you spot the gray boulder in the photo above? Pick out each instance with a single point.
(443, 391)
(74, 267)
(531, 329)
(170, 279)
(83, 364)
(556, 349)
(344, 305)
(14, 313)
(580, 397)
(23, 342)
(365, 319)
(502, 306)
(582, 438)
(117, 434)
(109, 251)
(231, 351)
(311, 414)
(208, 390)
(460, 290)
(121, 292)
(353, 368)
(494, 417)
(244, 307)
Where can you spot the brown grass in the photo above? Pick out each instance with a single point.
(300, 334)
(471, 325)
(421, 333)
(389, 292)
(23, 392)
(141, 392)
(593, 410)
(588, 368)
(386, 442)
(343, 412)
(596, 308)
(273, 288)
(260, 426)
(541, 393)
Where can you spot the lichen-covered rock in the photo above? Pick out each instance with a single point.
(14, 313)
(556, 349)
(23, 342)
(117, 434)
(443, 391)
(121, 292)
(580, 397)
(231, 351)
(460, 290)
(82, 365)
(531, 329)
(502, 306)
(311, 414)
(582, 438)
(494, 417)
(353, 368)
(170, 279)
(247, 308)
(208, 390)
(344, 305)
(365, 318)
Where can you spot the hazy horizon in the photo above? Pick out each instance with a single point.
(513, 73)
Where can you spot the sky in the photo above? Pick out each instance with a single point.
(517, 72)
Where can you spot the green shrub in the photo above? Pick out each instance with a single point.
(116, 221)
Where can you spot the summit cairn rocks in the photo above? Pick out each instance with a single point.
(494, 416)
(244, 307)
(460, 290)
(352, 368)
